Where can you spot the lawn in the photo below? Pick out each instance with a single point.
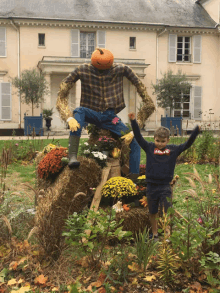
(130, 266)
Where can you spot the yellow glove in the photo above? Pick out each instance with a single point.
(73, 124)
(128, 137)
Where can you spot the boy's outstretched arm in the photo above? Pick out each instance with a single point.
(184, 146)
(137, 134)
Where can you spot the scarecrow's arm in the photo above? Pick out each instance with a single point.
(62, 99)
(147, 107)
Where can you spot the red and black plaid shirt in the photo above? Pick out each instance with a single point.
(101, 90)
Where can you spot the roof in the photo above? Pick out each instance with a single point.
(185, 13)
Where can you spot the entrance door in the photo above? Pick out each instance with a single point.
(87, 44)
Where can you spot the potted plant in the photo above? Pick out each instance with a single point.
(47, 115)
(106, 144)
(32, 86)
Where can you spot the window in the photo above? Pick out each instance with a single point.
(87, 44)
(2, 42)
(5, 101)
(184, 49)
(132, 43)
(189, 105)
(182, 107)
(41, 39)
(84, 43)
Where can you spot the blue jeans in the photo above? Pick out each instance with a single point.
(103, 120)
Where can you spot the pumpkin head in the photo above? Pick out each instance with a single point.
(102, 59)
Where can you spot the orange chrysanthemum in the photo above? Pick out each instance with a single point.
(51, 163)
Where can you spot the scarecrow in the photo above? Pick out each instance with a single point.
(101, 99)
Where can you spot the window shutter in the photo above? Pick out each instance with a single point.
(172, 48)
(2, 42)
(197, 103)
(197, 48)
(101, 39)
(75, 43)
(5, 101)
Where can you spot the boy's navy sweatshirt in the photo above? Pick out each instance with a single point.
(161, 163)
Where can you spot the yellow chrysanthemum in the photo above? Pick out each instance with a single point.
(119, 187)
(142, 177)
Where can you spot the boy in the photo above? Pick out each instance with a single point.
(161, 160)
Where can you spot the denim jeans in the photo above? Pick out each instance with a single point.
(103, 120)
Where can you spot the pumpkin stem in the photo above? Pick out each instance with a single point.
(100, 50)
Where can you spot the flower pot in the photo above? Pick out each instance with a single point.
(48, 123)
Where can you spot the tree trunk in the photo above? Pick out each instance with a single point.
(32, 107)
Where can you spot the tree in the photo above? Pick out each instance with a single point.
(169, 90)
(32, 86)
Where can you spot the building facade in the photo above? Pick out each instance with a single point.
(151, 36)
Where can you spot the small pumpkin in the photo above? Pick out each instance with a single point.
(116, 153)
(102, 58)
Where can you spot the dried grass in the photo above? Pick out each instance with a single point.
(59, 202)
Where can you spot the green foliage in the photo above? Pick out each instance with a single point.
(102, 225)
(211, 265)
(205, 144)
(47, 113)
(145, 248)
(19, 212)
(32, 86)
(118, 271)
(167, 262)
(169, 89)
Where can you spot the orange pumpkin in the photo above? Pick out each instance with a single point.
(102, 59)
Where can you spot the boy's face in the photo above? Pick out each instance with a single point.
(160, 142)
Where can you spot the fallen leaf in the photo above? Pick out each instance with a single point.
(22, 260)
(135, 281)
(21, 281)
(13, 265)
(159, 291)
(197, 286)
(134, 267)
(55, 289)
(150, 278)
(22, 290)
(12, 282)
(102, 290)
(96, 284)
(40, 280)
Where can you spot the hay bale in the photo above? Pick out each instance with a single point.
(59, 202)
(134, 220)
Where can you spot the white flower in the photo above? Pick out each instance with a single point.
(86, 143)
(86, 152)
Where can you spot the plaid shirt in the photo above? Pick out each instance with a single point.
(100, 90)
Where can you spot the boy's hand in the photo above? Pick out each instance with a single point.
(131, 116)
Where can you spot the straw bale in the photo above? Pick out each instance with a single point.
(134, 220)
(59, 202)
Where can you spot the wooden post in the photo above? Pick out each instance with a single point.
(106, 172)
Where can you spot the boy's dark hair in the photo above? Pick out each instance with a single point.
(162, 132)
